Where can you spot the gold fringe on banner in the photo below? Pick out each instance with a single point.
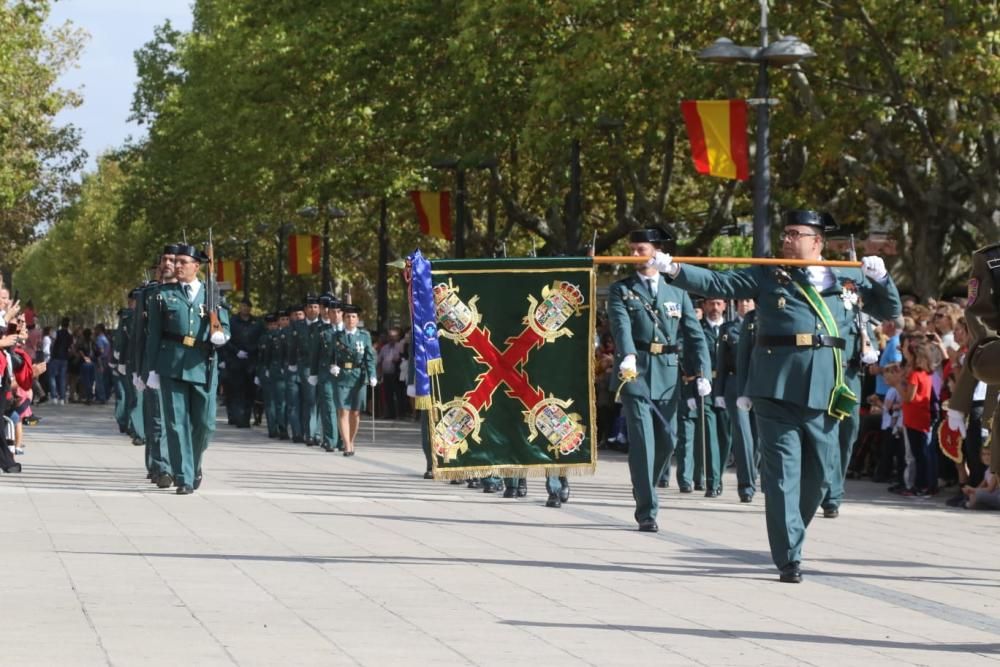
(575, 470)
(435, 366)
(423, 402)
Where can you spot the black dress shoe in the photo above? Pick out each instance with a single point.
(830, 513)
(297, 439)
(13, 469)
(327, 448)
(348, 453)
(663, 484)
(474, 484)
(699, 487)
(273, 436)
(428, 475)
(311, 443)
(489, 487)
(184, 490)
(564, 494)
(553, 500)
(648, 526)
(509, 492)
(197, 481)
(746, 497)
(522, 488)
(283, 436)
(711, 493)
(686, 489)
(791, 574)
(165, 481)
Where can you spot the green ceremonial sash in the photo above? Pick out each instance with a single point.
(843, 401)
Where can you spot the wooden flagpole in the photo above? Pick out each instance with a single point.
(766, 261)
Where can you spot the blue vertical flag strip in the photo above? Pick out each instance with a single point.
(426, 347)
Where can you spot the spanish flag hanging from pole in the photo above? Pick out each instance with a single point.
(229, 271)
(718, 133)
(433, 212)
(304, 252)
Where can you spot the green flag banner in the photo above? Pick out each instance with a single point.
(516, 396)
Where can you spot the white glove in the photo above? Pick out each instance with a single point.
(153, 380)
(218, 338)
(293, 368)
(335, 370)
(121, 369)
(267, 374)
(692, 404)
(222, 365)
(874, 268)
(869, 356)
(703, 386)
(664, 263)
(242, 354)
(744, 403)
(313, 380)
(256, 381)
(720, 402)
(373, 381)
(137, 382)
(628, 363)
(956, 421)
(411, 391)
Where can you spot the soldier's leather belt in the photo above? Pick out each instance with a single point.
(188, 341)
(801, 340)
(656, 348)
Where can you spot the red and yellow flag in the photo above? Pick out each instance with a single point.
(433, 212)
(304, 251)
(229, 271)
(718, 133)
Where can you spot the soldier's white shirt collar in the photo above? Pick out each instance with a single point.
(715, 323)
(195, 287)
(350, 331)
(308, 321)
(821, 277)
(655, 278)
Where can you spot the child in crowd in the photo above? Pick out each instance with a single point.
(983, 497)
(916, 392)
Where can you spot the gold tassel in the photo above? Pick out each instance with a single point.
(423, 403)
(435, 366)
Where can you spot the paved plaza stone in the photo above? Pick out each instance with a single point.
(291, 556)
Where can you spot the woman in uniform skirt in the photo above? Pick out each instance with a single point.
(354, 368)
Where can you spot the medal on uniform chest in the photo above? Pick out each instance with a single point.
(849, 294)
(359, 347)
(781, 303)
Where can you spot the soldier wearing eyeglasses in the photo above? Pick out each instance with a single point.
(796, 378)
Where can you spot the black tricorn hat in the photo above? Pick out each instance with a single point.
(350, 308)
(170, 249)
(189, 251)
(271, 317)
(818, 220)
(284, 313)
(662, 237)
(311, 299)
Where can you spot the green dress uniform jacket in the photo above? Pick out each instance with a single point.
(179, 350)
(712, 432)
(729, 385)
(157, 447)
(791, 384)
(296, 335)
(355, 356)
(322, 358)
(654, 329)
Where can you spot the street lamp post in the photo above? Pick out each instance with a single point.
(332, 213)
(787, 50)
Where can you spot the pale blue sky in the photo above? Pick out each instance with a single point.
(105, 73)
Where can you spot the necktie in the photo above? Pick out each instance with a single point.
(651, 286)
(187, 291)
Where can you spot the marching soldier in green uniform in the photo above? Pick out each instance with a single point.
(277, 375)
(135, 428)
(861, 353)
(651, 321)
(746, 450)
(307, 390)
(796, 372)
(265, 348)
(157, 448)
(240, 356)
(182, 353)
(711, 448)
(685, 442)
(296, 335)
(321, 364)
(123, 381)
(982, 361)
(354, 368)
